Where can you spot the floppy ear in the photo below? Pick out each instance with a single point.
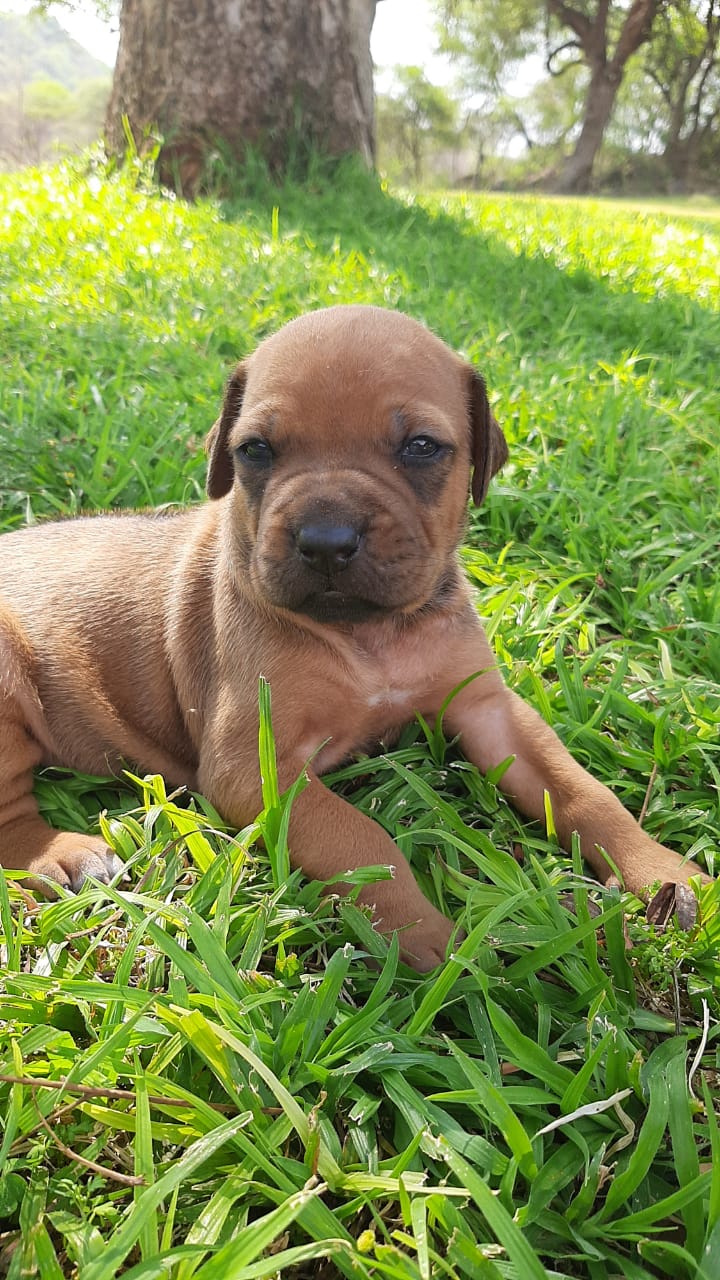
(220, 468)
(489, 447)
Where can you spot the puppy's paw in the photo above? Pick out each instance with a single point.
(658, 865)
(424, 945)
(656, 873)
(397, 905)
(69, 859)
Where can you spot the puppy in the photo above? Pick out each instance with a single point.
(326, 561)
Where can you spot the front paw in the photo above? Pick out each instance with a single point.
(655, 865)
(69, 859)
(423, 931)
(424, 945)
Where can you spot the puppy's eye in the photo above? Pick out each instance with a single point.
(257, 451)
(420, 448)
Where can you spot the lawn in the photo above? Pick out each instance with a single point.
(201, 1074)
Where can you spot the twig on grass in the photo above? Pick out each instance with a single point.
(648, 793)
(127, 1179)
(116, 1095)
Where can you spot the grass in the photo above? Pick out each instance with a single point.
(202, 1075)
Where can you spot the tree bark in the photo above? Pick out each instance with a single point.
(599, 102)
(685, 94)
(678, 158)
(280, 75)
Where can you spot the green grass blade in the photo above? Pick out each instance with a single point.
(499, 1220)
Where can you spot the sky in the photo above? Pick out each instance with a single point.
(402, 33)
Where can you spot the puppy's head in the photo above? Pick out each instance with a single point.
(347, 441)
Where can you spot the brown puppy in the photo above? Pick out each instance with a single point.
(325, 561)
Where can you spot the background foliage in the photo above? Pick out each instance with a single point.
(523, 91)
(53, 93)
(509, 112)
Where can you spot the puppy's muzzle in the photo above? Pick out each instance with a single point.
(326, 547)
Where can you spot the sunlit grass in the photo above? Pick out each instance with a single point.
(264, 1101)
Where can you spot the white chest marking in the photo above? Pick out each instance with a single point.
(390, 697)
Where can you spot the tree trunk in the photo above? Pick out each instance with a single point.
(684, 127)
(676, 154)
(606, 73)
(678, 158)
(281, 75)
(599, 102)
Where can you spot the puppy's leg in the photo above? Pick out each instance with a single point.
(327, 838)
(499, 725)
(26, 842)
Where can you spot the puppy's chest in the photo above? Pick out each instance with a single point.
(376, 703)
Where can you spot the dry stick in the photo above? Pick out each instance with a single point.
(116, 1095)
(648, 792)
(57, 1113)
(127, 1179)
(124, 1095)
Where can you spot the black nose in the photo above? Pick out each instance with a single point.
(327, 548)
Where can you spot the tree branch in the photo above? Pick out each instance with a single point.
(700, 92)
(662, 86)
(553, 54)
(574, 19)
(636, 30)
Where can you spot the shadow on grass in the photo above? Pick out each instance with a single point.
(111, 378)
(463, 281)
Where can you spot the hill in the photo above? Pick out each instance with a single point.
(52, 91)
(35, 47)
